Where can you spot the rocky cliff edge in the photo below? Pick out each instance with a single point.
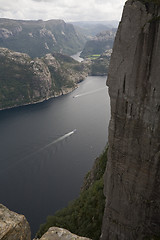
(13, 226)
(55, 233)
(132, 178)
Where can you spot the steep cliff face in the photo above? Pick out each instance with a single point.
(13, 226)
(132, 177)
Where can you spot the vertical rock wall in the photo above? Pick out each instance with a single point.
(132, 178)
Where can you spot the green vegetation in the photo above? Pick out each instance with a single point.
(99, 69)
(156, 2)
(15, 83)
(152, 238)
(100, 63)
(70, 71)
(94, 56)
(22, 78)
(84, 215)
(94, 47)
(99, 44)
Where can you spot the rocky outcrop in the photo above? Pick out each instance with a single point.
(13, 226)
(24, 80)
(55, 233)
(132, 178)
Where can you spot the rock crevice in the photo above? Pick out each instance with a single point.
(132, 177)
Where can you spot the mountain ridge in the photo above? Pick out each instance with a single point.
(38, 37)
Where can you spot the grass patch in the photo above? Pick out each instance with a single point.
(94, 56)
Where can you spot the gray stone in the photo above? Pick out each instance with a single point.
(132, 177)
(55, 233)
(13, 226)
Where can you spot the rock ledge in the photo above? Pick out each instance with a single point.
(13, 226)
(55, 233)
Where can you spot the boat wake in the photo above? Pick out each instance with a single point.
(57, 140)
(90, 92)
(41, 149)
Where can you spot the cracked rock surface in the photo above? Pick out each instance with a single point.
(13, 226)
(55, 233)
(132, 177)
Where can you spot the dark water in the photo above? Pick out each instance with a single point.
(43, 159)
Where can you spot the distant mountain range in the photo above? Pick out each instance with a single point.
(92, 28)
(38, 38)
(33, 64)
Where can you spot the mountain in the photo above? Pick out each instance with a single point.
(132, 177)
(24, 80)
(98, 65)
(37, 38)
(92, 28)
(99, 44)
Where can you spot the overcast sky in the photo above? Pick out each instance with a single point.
(68, 10)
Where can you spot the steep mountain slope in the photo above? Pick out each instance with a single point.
(132, 178)
(24, 80)
(99, 66)
(100, 43)
(38, 38)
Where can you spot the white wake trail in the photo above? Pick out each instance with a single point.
(41, 149)
(56, 141)
(90, 92)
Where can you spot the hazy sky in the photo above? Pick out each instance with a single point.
(68, 10)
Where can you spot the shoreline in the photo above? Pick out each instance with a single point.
(63, 92)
